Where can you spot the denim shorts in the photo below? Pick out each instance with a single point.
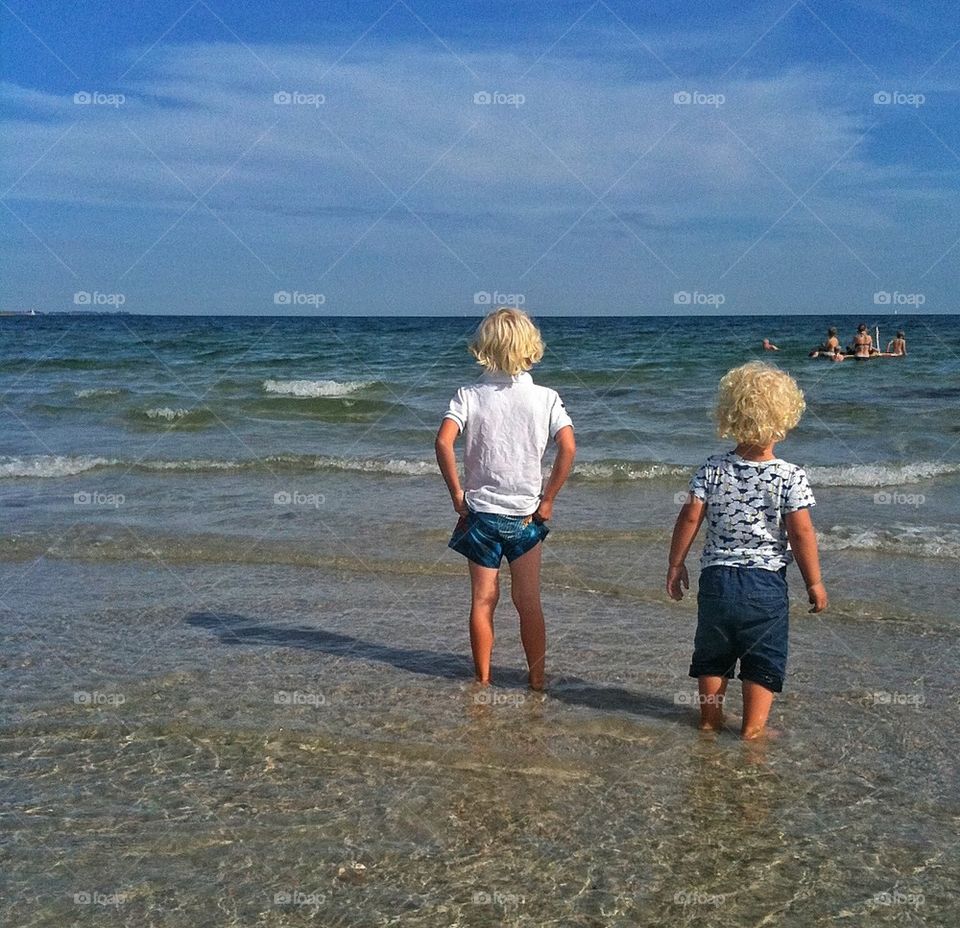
(742, 614)
(487, 537)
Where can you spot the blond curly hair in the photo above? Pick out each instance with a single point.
(758, 404)
(507, 341)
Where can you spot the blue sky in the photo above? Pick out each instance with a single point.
(595, 157)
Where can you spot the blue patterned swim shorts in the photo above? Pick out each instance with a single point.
(487, 537)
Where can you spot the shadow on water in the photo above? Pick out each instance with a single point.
(232, 628)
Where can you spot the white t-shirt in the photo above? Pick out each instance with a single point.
(506, 422)
(746, 504)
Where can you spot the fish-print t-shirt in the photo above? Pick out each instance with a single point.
(746, 505)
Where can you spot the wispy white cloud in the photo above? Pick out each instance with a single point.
(400, 141)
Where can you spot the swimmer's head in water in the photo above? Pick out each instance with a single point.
(758, 404)
(832, 330)
(862, 327)
(900, 335)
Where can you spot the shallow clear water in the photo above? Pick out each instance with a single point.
(218, 709)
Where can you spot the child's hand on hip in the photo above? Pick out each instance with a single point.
(544, 510)
(677, 581)
(460, 505)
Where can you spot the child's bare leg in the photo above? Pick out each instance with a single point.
(484, 593)
(712, 694)
(757, 700)
(525, 591)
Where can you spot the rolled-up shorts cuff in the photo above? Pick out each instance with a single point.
(772, 681)
(712, 670)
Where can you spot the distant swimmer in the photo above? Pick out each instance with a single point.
(828, 347)
(769, 345)
(897, 347)
(862, 346)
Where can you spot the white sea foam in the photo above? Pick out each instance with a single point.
(942, 541)
(287, 462)
(165, 412)
(628, 470)
(51, 465)
(393, 466)
(878, 475)
(96, 391)
(194, 464)
(598, 472)
(315, 387)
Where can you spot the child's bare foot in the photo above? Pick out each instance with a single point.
(766, 733)
(711, 714)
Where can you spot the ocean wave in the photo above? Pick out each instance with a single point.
(97, 391)
(165, 412)
(909, 540)
(192, 465)
(173, 417)
(628, 470)
(396, 467)
(878, 475)
(47, 465)
(287, 463)
(52, 465)
(596, 472)
(316, 388)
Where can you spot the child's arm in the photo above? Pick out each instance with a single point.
(447, 459)
(803, 541)
(685, 530)
(562, 465)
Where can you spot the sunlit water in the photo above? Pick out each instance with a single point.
(221, 709)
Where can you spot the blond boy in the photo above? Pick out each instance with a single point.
(757, 508)
(506, 420)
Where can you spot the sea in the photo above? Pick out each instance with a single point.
(235, 677)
